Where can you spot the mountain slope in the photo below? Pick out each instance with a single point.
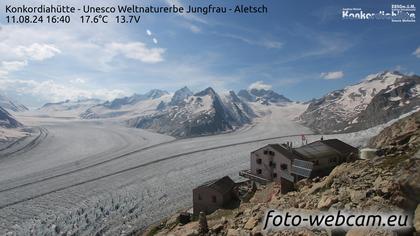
(8, 104)
(376, 100)
(7, 120)
(403, 135)
(179, 96)
(205, 112)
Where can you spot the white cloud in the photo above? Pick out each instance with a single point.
(194, 28)
(53, 91)
(37, 52)
(417, 52)
(9, 66)
(332, 75)
(149, 32)
(3, 73)
(270, 44)
(13, 65)
(137, 51)
(155, 41)
(260, 85)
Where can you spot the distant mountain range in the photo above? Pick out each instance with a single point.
(205, 112)
(378, 99)
(68, 107)
(185, 114)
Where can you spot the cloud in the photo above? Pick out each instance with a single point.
(149, 32)
(270, 44)
(37, 52)
(332, 75)
(194, 28)
(53, 91)
(260, 85)
(137, 51)
(417, 52)
(13, 65)
(3, 73)
(9, 66)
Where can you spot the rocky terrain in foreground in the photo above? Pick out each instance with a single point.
(388, 183)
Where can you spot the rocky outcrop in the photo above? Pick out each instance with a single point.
(401, 137)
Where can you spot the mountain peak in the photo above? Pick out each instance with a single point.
(208, 91)
(384, 75)
(155, 93)
(180, 95)
(262, 95)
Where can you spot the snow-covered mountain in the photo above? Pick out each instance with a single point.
(7, 120)
(179, 96)
(138, 104)
(68, 107)
(205, 112)
(8, 104)
(378, 99)
(262, 96)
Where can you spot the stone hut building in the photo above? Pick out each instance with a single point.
(213, 195)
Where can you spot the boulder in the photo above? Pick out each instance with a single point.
(232, 232)
(326, 202)
(251, 223)
(357, 196)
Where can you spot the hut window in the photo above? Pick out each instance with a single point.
(259, 161)
(283, 166)
(316, 162)
(213, 199)
(274, 175)
(271, 153)
(265, 152)
(259, 171)
(272, 164)
(199, 197)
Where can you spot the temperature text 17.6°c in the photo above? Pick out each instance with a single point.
(105, 19)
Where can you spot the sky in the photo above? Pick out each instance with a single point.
(301, 49)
